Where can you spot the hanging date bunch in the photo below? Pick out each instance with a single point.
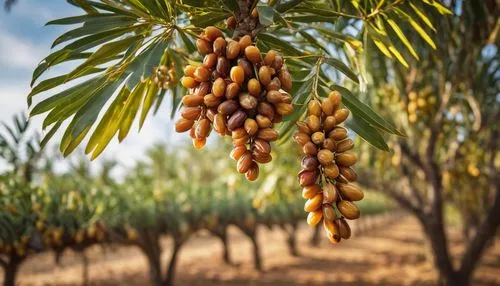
(238, 92)
(326, 170)
(165, 77)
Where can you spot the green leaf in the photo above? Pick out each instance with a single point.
(402, 37)
(152, 92)
(380, 45)
(130, 109)
(355, 44)
(108, 126)
(177, 94)
(84, 5)
(279, 44)
(417, 28)
(284, 7)
(379, 5)
(187, 42)
(367, 132)
(96, 39)
(398, 56)
(313, 41)
(104, 54)
(117, 8)
(422, 16)
(161, 96)
(86, 116)
(422, 33)
(319, 12)
(312, 19)
(440, 7)
(340, 66)
(54, 59)
(383, 42)
(55, 81)
(210, 18)
(266, 15)
(362, 110)
(89, 28)
(75, 141)
(143, 64)
(65, 97)
(74, 50)
(231, 5)
(79, 19)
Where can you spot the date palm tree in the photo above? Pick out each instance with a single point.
(448, 113)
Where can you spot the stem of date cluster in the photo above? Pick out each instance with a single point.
(302, 57)
(316, 78)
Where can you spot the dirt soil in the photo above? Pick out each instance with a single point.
(394, 254)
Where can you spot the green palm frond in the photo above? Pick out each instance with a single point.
(119, 44)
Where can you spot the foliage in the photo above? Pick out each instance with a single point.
(119, 43)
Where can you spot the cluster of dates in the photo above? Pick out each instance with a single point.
(236, 92)
(164, 77)
(327, 167)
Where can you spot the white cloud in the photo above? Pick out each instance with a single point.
(12, 100)
(34, 11)
(17, 52)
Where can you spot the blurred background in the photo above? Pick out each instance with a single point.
(154, 211)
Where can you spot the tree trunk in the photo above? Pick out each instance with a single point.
(437, 237)
(169, 279)
(225, 245)
(221, 232)
(256, 251)
(485, 232)
(154, 263)
(292, 239)
(315, 239)
(11, 272)
(149, 243)
(85, 274)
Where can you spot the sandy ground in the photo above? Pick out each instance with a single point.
(394, 254)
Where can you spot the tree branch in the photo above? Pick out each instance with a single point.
(438, 123)
(493, 149)
(116, 237)
(476, 110)
(408, 185)
(432, 170)
(412, 156)
(405, 202)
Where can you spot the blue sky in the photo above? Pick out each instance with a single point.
(25, 41)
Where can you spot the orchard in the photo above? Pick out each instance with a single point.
(338, 112)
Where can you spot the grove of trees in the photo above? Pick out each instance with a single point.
(78, 209)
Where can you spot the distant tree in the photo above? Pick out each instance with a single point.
(447, 104)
